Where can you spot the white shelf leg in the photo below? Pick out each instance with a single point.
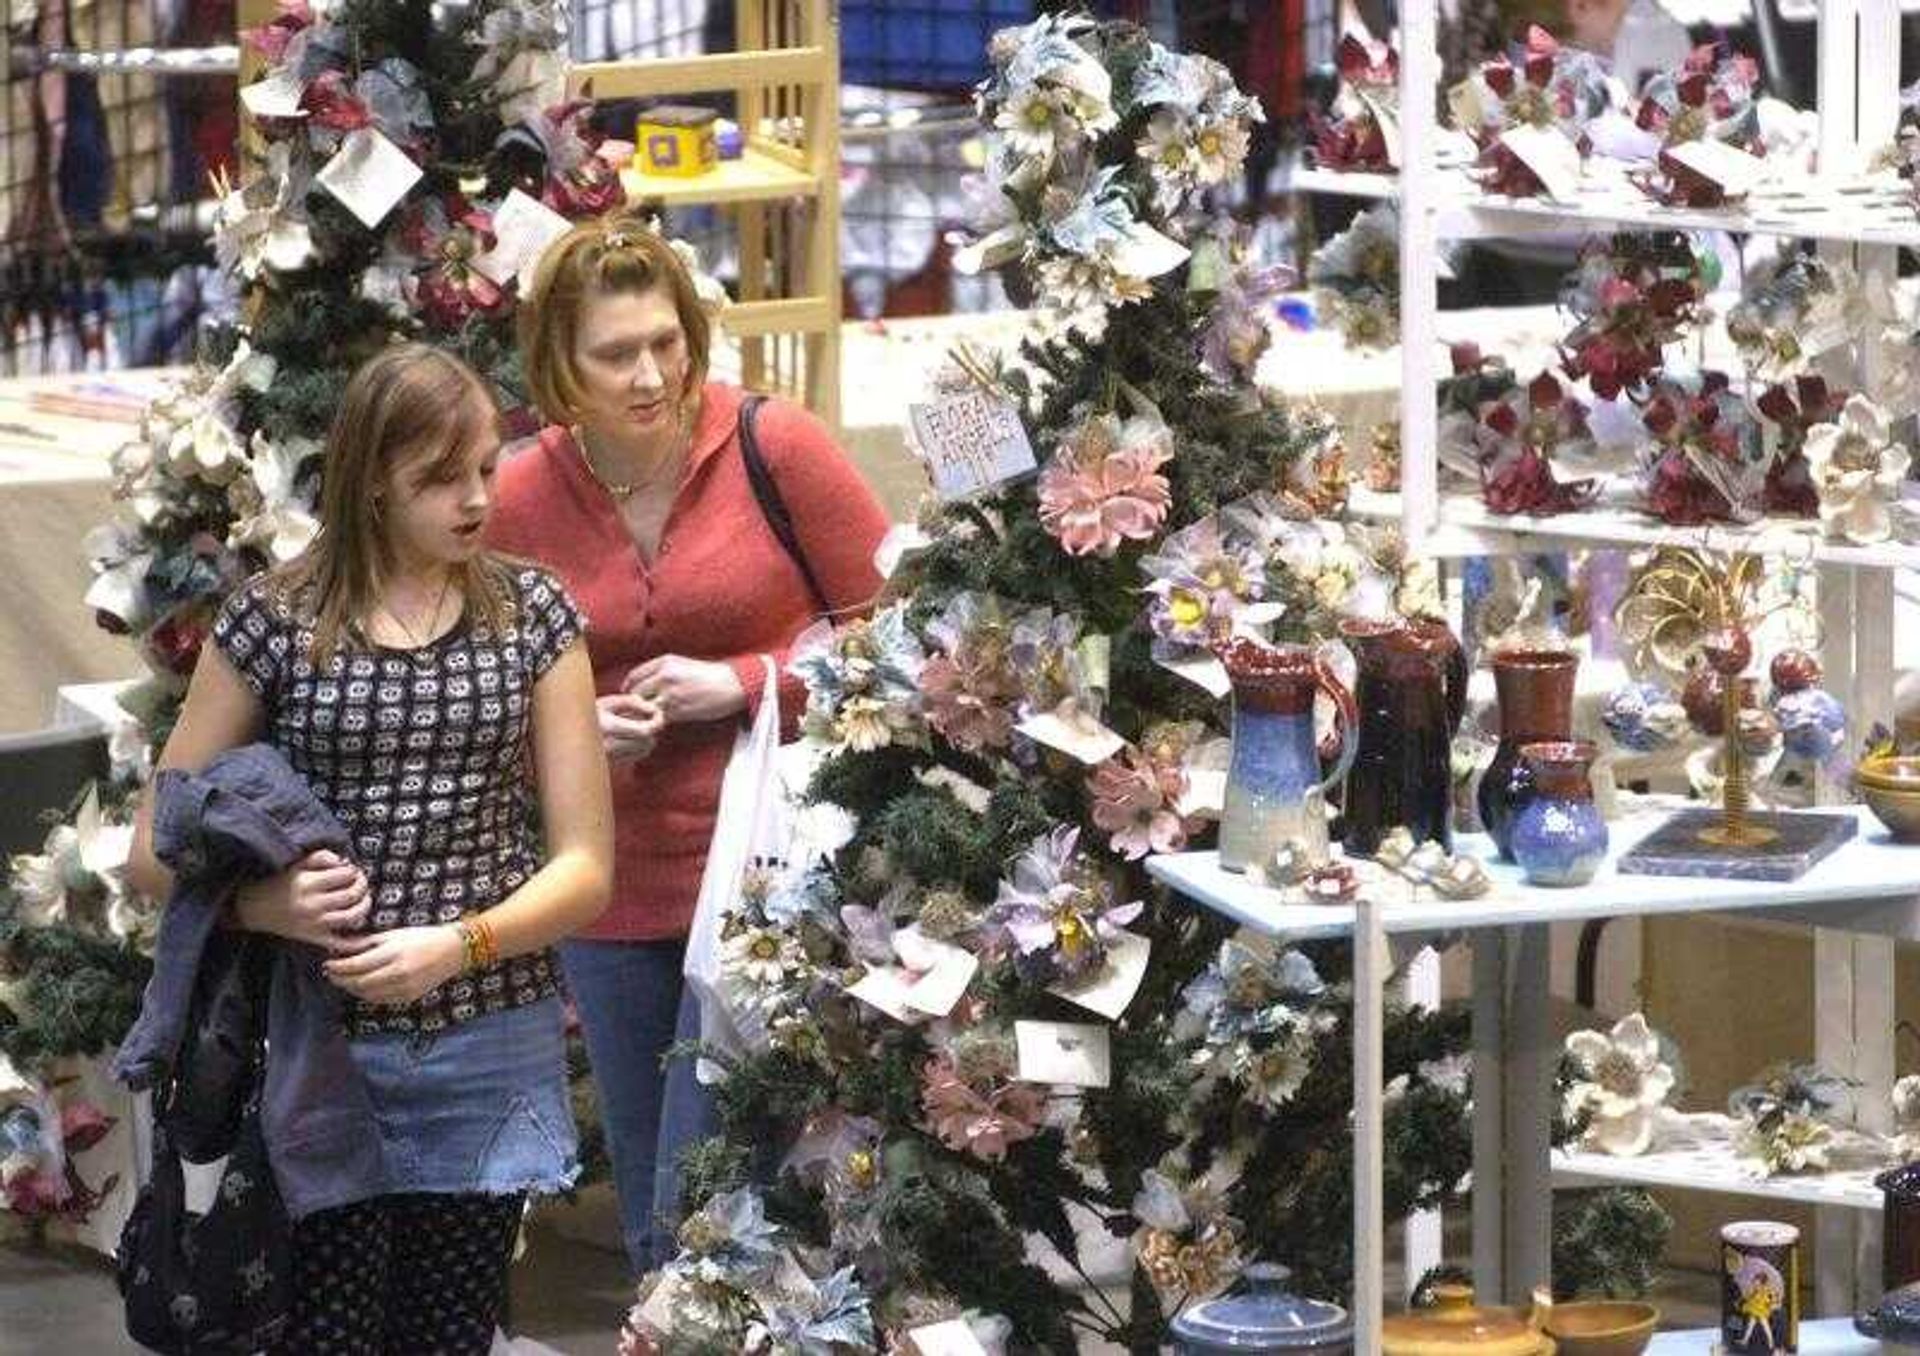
(1833, 1049)
(1372, 968)
(1422, 1238)
(1489, 1115)
(1529, 1114)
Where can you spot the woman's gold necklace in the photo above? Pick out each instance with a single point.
(620, 490)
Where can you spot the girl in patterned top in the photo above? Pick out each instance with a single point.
(435, 696)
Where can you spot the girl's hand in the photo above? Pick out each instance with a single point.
(629, 726)
(397, 967)
(688, 691)
(319, 900)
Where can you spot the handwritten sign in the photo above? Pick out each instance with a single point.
(971, 441)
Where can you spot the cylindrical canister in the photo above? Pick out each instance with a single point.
(1759, 1288)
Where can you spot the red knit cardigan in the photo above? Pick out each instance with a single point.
(720, 588)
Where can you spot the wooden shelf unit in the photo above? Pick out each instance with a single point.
(784, 191)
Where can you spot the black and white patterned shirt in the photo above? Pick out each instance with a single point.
(423, 755)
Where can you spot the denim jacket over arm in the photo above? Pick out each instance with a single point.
(246, 815)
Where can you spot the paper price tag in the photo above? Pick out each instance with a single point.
(1734, 170)
(278, 96)
(952, 1338)
(522, 229)
(1554, 160)
(1108, 992)
(1074, 733)
(369, 175)
(1388, 121)
(970, 442)
(1073, 1053)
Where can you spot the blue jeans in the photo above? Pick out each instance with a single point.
(633, 1006)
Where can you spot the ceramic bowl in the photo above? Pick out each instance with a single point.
(1602, 1327)
(1894, 772)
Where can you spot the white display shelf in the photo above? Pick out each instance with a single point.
(1695, 1153)
(1818, 1337)
(1870, 209)
(1467, 527)
(1878, 879)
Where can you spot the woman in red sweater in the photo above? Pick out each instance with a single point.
(639, 497)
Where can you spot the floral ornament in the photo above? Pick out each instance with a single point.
(263, 225)
(1356, 279)
(1857, 469)
(1518, 437)
(1644, 717)
(1238, 330)
(1905, 1096)
(523, 57)
(969, 685)
(1805, 308)
(579, 167)
(1794, 408)
(1813, 724)
(729, 1239)
(831, 1318)
(1474, 381)
(984, 1120)
(1057, 666)
(273, 502)
(1135, 799)
(1783, 1118)
(1555, 89)
(1187, 1243)
(1712, 97)
(1103, 485)
(39, 1137)
(1707, 461)
(1255, 1013)
(1095, 221)
(447, 235)
(1620, 1084)
(1056, 914)
(1359, 131)
(1202, 589)
(1631, 297)
(78, 880)
(862, 681)
(1317, 570)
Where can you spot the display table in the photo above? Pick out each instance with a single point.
(1869, 885)
(55, 488)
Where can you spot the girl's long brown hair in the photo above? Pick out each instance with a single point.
(408, 400)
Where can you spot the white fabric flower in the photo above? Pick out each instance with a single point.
(277, 519)
(1857, 470)
(1621, 1086)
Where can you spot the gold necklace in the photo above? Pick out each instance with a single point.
(621, 491)
(439, 605)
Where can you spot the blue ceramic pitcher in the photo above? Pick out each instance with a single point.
(1276, 792)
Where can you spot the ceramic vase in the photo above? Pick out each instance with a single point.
(1276, 792)
(1411, 691)
(1558, 837)
(1535, 693)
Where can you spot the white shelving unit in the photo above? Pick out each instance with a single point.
(1859, 901)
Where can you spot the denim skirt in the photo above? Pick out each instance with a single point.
(480, 1106)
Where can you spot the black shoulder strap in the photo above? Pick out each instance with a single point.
(772, 506)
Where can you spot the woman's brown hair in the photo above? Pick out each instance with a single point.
(611, 256)
(409, 400)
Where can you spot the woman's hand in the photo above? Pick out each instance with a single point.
(320, 900)
(397, 967)
(629, 725)
(688, 691)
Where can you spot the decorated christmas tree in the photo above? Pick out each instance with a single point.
(1033, 708)
(401, 143)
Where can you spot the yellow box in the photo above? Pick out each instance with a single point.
(675, 140)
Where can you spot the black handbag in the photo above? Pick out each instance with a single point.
(222, 1055)
(213, 1284)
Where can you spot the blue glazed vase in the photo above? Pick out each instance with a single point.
(1559, 837)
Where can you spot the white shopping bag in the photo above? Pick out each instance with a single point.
(753, 827)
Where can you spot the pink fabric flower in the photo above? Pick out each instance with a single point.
(967, 1122)
(1104, 487)
(1133, 800)
(970, 704)
(83, 1125)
